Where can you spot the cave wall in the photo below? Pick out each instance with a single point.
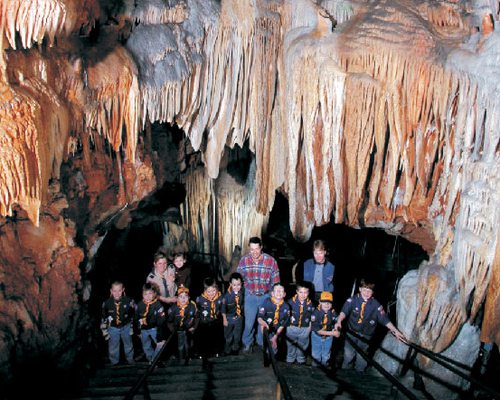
(367, 114)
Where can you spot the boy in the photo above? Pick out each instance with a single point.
(183, 318)
(209, 332)
(301, 309)
(150, 317)
(182, 271)
(323, 331)
(116, 325)
(233, 303)
(362, 312)
(163, 276)
(274, 314)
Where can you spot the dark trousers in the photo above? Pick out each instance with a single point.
(184, 344)
(232, 334)
(209, 338)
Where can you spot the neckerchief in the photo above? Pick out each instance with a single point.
(325, 318)
(146, 311)
(237, 300)
(277, 311)
(301, 309)
(117, 308)
(213, 313)
(182, 309)
(362, 313)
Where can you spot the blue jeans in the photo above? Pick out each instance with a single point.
(297, 343)
(351, 355)
(115, 335)
(149, 336)
(320, 348)
(252, 304)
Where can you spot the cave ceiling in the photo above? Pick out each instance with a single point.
(366, 113)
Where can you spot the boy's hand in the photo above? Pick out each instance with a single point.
(335, 333)
(274, 341)
(224, 321)
(338, 326)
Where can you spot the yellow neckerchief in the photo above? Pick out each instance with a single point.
(117, 308)
(236, 299)
(301, 308)
(212, 302)
(362, 313)
(277, 311)
(182, 309)
(146, 311)
(325, 318)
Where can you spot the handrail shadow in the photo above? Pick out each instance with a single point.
(269, 358)
(142, 380)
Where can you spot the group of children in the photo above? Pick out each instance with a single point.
(213, 323)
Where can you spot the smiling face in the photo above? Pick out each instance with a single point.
(366, 293)
(117, 291)
(235, 285)
(179, 261)
(160, 266)
(326, 306)
(278, 292)
(148, 296)
(302, 294)
(255, 251)
(211, 291)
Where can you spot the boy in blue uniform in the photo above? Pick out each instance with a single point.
(323, 331)
(209, 333)
(116, 324)
(297, 332)
(274, 314)
(183, 318)
(363, 313)
(150, 318)
(233, 303)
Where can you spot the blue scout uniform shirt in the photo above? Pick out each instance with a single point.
(267, 311)
(118, 313)
(230, 306)
(175, 319)
(150, 315)
(319, 322)
(298, 318)
(363, 319)
(209, 310)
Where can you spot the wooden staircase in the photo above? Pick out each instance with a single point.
(237, 378)
(231, 377)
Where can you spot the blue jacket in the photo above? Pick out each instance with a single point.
(328, 272)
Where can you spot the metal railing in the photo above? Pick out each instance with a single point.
(269, 359)
(142, 380)
(408, 363)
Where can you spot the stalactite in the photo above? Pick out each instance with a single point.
(196, 210)
(32, 19)
(224, 206)
(115, 90)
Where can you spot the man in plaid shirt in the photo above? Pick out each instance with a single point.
(260, 272)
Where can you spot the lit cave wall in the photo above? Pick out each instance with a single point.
(367, 114)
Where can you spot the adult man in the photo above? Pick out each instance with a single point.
(363, 312)
(260, 272)
(318, 271)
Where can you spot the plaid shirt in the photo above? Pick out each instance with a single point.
(259, 278)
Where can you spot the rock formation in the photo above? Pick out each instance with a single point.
(371, 114)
